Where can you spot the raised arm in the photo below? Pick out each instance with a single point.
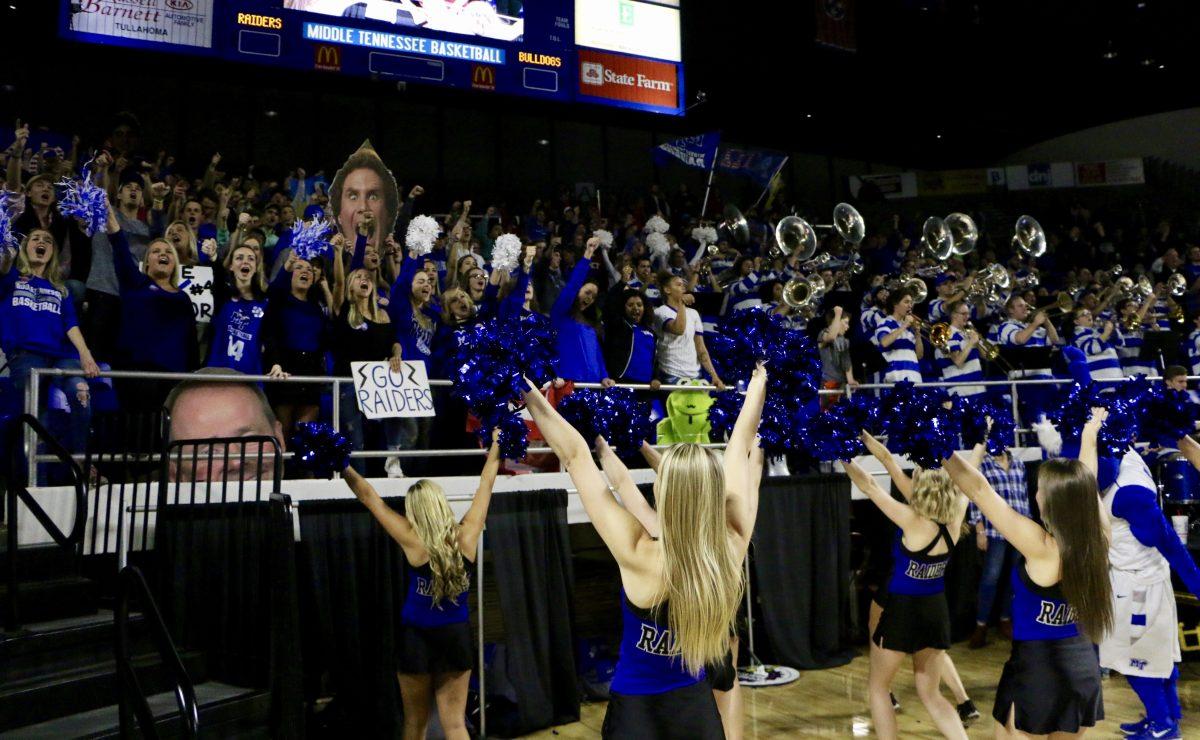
(900, 513)
(472, 523)
(620, 479)
(654, 459)
(128, 275)
(737, 457)
(562, 304)
(1087, 439)
(1190, 449)
(1026, 535)
(619, 529)
(392, 521)
(881, 453)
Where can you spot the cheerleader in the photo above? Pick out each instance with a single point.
(435, 652)
(722, 676)
(1061, 595)
(914, 618)
(681, 592)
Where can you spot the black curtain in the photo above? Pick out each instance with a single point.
(227, 586)
(351, 613)
(531, 554)
(801, 563)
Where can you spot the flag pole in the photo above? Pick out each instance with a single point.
(769, 182)
(708, 188)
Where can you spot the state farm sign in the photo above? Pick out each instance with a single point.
(630, 79)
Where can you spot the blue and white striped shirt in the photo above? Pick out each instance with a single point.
(937, 310)
(1006, 333)
(971, 370)
(1011, 486)
(744, 293)
(1102, 360)
(1193, 351)
(869, 319)
(901, 356)
(1129, 350)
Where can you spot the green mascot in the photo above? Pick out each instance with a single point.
(687, 417)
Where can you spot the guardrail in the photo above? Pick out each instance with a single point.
(35, 381)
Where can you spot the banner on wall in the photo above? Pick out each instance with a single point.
(383, 394)
(952, 182)
(1040, 175)
(1129, 171)
(891, 186)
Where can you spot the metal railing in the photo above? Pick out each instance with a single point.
(18, 492)
(37, 374)
(131, 699)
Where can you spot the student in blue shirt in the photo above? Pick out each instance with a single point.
(297, 334)
(575, 317)
(40, 329)
(239, 306)
(629, 340)
(415, 319)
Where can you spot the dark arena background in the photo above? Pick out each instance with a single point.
(266, 264)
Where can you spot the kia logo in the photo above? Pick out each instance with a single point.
(180, 4)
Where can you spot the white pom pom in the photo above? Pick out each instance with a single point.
(705, 235)
(1048, 436)
(656, 225)
(605, 237)
(658, 245)
(506, 252)
(422, 232)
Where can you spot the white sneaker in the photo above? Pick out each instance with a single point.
(777, 465)
(392, 467)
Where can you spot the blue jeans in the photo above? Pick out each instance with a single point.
(20, 365)
(354, 426)
(991, 580)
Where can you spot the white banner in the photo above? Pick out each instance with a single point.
(382, 394)
(183, 22)
(892, 186)
(197, 281)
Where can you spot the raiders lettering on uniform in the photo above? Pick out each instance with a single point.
(1056, 614)
(925, 571)
(655, 641)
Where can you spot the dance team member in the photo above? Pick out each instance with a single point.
(680, 592)
(915, 619)
(435, 651)
(1050, 686)
(920, 480)
(722, 676)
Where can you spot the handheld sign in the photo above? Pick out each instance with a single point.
(382, 394)
(197, 281)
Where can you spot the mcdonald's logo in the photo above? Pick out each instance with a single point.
(483, 77)
(327, 57)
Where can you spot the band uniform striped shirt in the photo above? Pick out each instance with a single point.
(1129, 351)
(901, 356)
(1102, 360)
(971, 370)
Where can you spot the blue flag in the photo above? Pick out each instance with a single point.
(759, 165)
(694, 151)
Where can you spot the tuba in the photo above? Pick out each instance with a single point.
(804, 294)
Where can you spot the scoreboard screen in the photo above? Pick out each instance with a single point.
(624, 53)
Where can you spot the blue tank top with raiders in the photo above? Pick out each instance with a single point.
(1039, 612)
(647, 664)
(419, 609)
(919, 573)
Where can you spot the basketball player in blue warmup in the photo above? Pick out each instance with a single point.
(722, 676)
(916, 619)
(435, 642)
(904, 484)
(680, 592)
(1050, 686)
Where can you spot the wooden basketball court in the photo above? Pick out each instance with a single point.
(833, 703)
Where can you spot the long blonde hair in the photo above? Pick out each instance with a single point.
(355, 317)
(934, 495)
(702, 579)
(258, 283)
(193, 250)
(53, 271)
(426, 507)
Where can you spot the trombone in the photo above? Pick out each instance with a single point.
(1062, 304)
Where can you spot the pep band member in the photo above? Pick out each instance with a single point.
(1061, 595)
(435, 651)
(722, 676)
(916, 618)
(680, 592)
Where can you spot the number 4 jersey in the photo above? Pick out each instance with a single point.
(237, 336)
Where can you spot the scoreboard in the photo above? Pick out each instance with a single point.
(624, 53)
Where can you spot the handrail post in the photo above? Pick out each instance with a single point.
(337, 405)
(32, 393)
(1016, 407)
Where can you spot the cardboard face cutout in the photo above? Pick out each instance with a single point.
(365, 184)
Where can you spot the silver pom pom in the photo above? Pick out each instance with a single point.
(657, 225)
(705, 235)
(422, 232)
(605, 237)
(506, 253)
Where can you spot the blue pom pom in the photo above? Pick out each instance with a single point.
(836, 434)
(973, 412)
(309, 238)
(1167, 415)
(723, 414)
(84, 200)
(1122, 401)
(514, 435)
(918, 424)
(9, 239)
(319, 449)
(612, 413)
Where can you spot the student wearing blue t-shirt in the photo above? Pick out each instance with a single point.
(415, 319)
(629, 340)
(239, 307)
(297, 335)
(576, 319)
(38, 327)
